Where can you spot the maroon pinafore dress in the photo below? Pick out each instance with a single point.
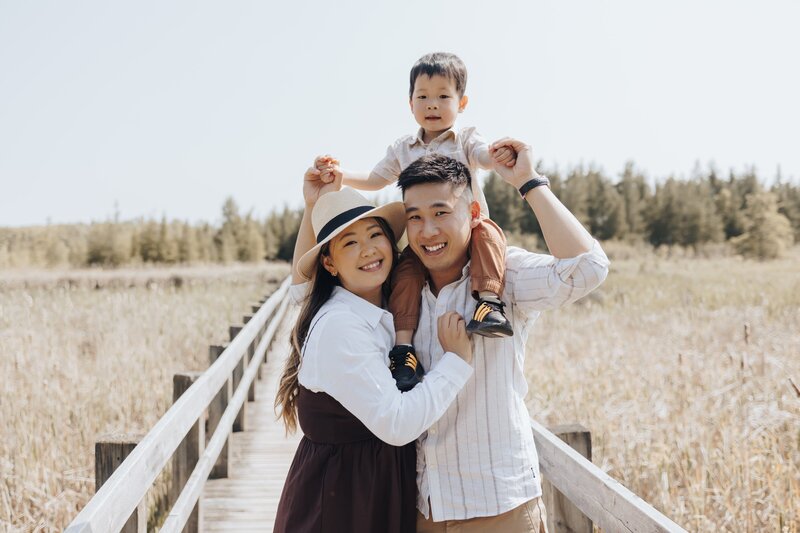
(343, 478)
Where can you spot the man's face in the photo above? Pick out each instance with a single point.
(436, 103)
(439, 225)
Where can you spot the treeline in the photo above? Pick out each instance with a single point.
(113, 243)
(757, 221)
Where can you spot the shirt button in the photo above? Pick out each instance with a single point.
(432, 431)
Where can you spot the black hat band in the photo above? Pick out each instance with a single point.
(341, 219)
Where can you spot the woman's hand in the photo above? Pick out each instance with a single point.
(453, 335)
(315, 186)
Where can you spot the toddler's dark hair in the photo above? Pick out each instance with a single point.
(443, 64)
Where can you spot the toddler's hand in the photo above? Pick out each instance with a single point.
(453, 335)
(327, 166)
(504, 155)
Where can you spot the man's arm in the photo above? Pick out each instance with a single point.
(564, 234)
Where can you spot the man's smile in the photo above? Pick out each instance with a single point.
(433, 249)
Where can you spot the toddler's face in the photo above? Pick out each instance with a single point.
(435, 103)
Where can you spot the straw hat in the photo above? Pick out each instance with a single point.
(335, 211)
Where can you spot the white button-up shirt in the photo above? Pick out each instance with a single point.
(466, 146)
(479, 458)
(346, 356)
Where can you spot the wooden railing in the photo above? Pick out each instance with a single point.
(577, 493)
(119, 500)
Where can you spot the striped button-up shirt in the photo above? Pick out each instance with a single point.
(479, 458)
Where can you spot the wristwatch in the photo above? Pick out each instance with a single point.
(532, 184)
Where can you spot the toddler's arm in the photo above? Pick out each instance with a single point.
(358, 180)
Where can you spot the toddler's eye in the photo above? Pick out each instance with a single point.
(445, 96)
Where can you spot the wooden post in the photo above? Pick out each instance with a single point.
(215, 411)
(240, 422)
(246, 319)
(188, 452)
(109, 452)
(246, 358)
(562, 515)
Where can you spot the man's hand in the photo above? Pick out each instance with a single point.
(326, 164)
(314, 186)
(453, 335)
(522, 170)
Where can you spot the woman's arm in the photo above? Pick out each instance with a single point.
(313, 188)
(345, 359)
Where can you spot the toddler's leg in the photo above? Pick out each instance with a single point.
(408, 279)
(488, 275)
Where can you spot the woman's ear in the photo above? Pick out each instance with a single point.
(327, 264)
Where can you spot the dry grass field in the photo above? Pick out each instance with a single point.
(685, 408)
(85, 353)
(681, 369)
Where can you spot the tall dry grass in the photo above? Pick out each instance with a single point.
(681, 369)
(91, 352)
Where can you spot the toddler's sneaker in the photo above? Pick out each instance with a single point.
(489, 320)
(406, 370)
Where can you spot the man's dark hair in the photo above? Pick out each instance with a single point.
(443, 64)
(434, 168)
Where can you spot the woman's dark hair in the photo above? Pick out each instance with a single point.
(322, 284)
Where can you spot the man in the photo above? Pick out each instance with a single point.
(477, 468)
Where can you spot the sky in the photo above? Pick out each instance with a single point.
(155, 108)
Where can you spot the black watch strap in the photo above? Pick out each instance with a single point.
(532, 184)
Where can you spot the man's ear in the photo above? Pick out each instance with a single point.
(474, 213)
(462, 104)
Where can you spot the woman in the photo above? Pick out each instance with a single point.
(355, 468)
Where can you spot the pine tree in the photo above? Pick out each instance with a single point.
(767, 233)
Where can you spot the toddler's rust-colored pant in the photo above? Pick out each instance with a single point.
(487, 272)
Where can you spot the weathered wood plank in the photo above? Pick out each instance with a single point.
(215, 410)
(562, 515)
(599, 496)
(110, 508)
(109, 452)
(188, 452)
(191, 493)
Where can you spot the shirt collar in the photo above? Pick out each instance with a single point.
(358, 305)
(442, 136)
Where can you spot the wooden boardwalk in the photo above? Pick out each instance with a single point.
(259, 458)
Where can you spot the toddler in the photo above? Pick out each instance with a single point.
(437, 85)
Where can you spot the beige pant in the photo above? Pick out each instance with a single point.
(530, 517)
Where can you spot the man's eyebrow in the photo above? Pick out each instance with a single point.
(434, 204)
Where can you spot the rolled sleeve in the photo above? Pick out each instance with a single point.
(353, 371)
(388, 168)
(475, 148)
(298, 293)
(538, 282)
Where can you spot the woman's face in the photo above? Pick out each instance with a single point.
(361, 257)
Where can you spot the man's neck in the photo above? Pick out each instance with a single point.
(442, 278)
